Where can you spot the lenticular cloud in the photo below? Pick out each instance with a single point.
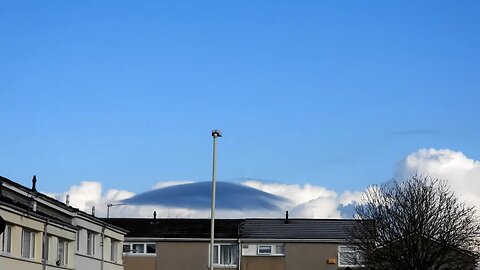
(256, 198)
(229, 196)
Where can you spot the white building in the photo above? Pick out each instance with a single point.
(43, 233)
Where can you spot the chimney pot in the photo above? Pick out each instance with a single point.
(286, 217)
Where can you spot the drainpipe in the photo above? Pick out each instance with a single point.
(44, 246)
(103, 246)
(239, 253)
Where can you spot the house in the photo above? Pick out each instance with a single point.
(43, 233)
(247, 244)
(177, 243)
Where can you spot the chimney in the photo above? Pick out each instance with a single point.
(67, 200)
(154, 215)
(286, 217)
(34, 183)
(93, 210)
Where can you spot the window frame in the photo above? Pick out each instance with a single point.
(46, 247)
(145, 248)
(62, 243)
(218, 261)
(77, 240)
(113, 250)
(6, 247)
(91, 243)
(265, 253)
(349, 250)
(30, 242)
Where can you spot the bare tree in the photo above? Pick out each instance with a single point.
(416, 224)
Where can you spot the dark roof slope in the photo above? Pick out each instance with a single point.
(321, 229)
(176, 227)
(315, 229)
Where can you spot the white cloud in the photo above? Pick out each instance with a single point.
(461, 173)
(88, 194)
(170, 183)
(305, 200)
(309, 200)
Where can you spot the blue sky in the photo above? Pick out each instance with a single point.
(333, 93)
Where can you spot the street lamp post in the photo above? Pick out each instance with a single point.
(215, 134)
(110, 205)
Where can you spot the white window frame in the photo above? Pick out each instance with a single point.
(7, 240)
(62, 252)
(91, 243)
(343, 249)
(28, 244)
(131, 251)
(113, 250)
(259, 247)
(217, 260)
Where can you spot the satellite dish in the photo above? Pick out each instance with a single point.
(2, 225)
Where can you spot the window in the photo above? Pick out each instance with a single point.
(28, 244)
(140, 248)
(348, 257)
(45, 250)
(151, 248)
(78, 241)
(62, 252)
(90, 243)
(113, 251)
(7, 239)
(225, 254)
(280, 249)
(264, 250)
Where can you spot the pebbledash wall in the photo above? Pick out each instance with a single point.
(43, 233)
(247, 244)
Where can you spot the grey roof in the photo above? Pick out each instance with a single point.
(318, 229)
(176, 227)
(259, 229)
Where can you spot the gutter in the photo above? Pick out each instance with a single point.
(103, 246)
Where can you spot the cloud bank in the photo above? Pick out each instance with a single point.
(307, 200)
(461, 173)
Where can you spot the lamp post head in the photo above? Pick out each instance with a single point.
(216, 133)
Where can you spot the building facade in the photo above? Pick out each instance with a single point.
(43, 233)
(247, 244)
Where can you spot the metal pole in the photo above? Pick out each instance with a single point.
(215, 135)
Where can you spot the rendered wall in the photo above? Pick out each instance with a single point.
(182, 256)
(139, 262)
(86, 263)
(263, 263)
(307, 256)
